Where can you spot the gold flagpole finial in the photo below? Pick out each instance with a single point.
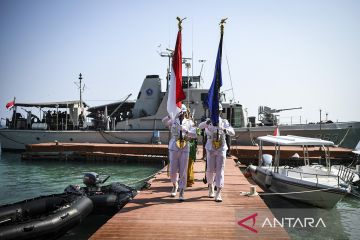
(180, 22)
(222, 22)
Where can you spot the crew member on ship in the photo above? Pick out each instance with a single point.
(216, 153)
(181, 130)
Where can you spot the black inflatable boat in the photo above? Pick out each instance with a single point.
(107, 199)
(45, 217)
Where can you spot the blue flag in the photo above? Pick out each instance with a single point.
(214, 91)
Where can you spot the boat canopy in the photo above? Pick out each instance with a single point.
(291, 140)
(111, 107)
(63, 104)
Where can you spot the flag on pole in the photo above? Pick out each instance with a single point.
(10, 105)
(175, 92)
(214, 91)
(276, 131)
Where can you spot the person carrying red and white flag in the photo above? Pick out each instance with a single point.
(181, 128)
(175, 91)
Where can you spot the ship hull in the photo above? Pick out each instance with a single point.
(342, 134)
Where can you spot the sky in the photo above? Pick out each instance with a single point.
(281, 54)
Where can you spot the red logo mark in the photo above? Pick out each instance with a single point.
(241, 222)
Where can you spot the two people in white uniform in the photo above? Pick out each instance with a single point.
(181, 130)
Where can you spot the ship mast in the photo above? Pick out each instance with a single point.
(81, 104)
(81, 90)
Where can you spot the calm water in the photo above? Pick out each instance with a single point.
(26, 179)
(342, 222)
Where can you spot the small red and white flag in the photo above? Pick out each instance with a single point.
(10, 105)
(276, 131)
(175, 91)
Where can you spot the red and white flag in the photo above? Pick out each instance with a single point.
(10, 105)
(276, 131)
(175, 91)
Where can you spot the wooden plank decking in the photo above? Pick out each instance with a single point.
(153, 214)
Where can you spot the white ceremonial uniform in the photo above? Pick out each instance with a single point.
(215, 157)
(179, 157)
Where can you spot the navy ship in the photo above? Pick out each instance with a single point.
(139, 121)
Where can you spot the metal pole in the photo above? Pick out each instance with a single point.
(187, 65)
(80, 78)
(320, 119)
(14, 114)
(57, 117)
(168, 74)
(66, 119)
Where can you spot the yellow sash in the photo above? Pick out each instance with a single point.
(217, 143)
(181, 143)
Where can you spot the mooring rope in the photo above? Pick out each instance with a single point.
(344, 136)
(12, 139)
(142, 180)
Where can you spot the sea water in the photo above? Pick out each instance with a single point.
(20, 180)
(340, 222)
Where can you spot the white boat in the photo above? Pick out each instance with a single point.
(140, 121)
(308, 184)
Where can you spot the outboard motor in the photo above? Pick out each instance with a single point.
(92, 181)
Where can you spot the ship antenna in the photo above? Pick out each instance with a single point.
(81, 89)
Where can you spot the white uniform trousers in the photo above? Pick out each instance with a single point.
(215, 167)
(179, 164)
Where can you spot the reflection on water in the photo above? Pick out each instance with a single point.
(27, 179)
(341, 221)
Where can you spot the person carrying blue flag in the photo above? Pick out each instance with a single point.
(216, 129)
(216, 153)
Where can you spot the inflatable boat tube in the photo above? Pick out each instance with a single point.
(45, 217)
(107, 199)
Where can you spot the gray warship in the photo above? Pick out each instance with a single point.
(139, 121)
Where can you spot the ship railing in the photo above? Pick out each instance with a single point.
(346, 174)
(306, 176)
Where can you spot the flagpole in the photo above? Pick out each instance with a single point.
(14, 114)
(222, 22)
(180, 28)
(175, 91)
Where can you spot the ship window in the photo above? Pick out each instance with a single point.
(237, 117)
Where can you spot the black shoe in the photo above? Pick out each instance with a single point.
(204, 180)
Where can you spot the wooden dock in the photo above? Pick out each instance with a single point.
(97, 152)
(159, 152)
(153, 214)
